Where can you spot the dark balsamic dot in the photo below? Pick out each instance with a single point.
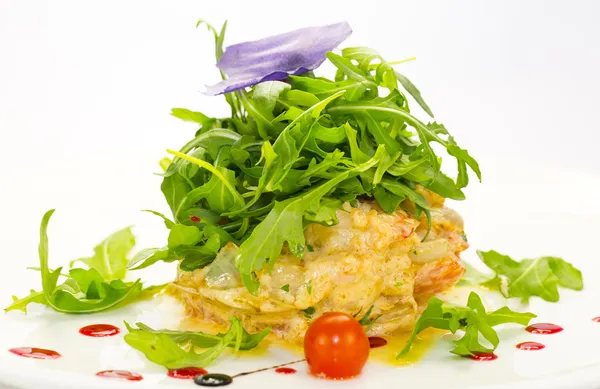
(213, 380)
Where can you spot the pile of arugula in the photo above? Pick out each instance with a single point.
(292, 152)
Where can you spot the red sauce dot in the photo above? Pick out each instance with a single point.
(544, 329)
(121, 374)
(530, 346)
(483, 356)
(376, 341)
(195, 219)
(35, 353)
(285, 370)
(596, 319)
(186, 373)
(99, 330)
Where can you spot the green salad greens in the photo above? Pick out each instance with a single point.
(85, 290)
(472, 319)
(539, 277)
(166, 347)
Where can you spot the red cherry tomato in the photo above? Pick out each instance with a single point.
(336, 346)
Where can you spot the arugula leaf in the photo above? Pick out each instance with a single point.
(333, 135)
(219, 40)
(203, 340)
(175, 189)
(463, 159)
(472, 276)
(399, 189)
(351, 70)
(197, 257)
(267, 93)
(182, 235)
(472, 319)
(221, 176)
(86, 281)
(384, 73)
(366, 320)
(217, 191)
(386, 162)
(388, 201)
(164, 347)
(532, 277)
(182, 246)
(161, 350)
(110, 295)
(190, 116)
(325, 214)
(168, 222)
(150, 256)
(22, 303)
(263, 118)
(414, 92)
(110, 256)
(192, 216)
(210, 141)
(444, 186)
(165, 163)
(320, 87)
(381, 136)
(298, 98)
(84, 291)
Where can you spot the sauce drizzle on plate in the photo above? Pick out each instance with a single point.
(530, 346)
(544, 329)
(186, 373)
(483, 356)
(376, 341)
(120, 374)
(99, 330)
(35, 353)
(285, 370)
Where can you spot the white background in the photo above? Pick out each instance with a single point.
(86, 88)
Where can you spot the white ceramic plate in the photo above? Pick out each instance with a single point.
(515, 212)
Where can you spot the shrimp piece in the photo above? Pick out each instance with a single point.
(436, 277)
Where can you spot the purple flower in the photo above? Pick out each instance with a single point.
(276, 57)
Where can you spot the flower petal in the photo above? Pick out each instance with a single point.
(276, 57)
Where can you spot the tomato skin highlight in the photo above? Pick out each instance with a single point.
(336, 346)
